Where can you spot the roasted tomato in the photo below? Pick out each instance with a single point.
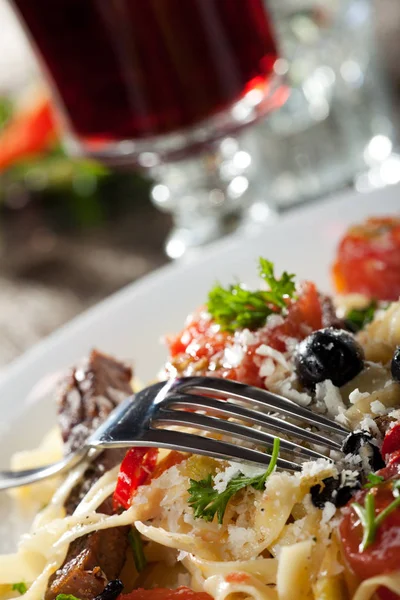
(202, 348)
(182, 593)
(382, 556)
(368, 259)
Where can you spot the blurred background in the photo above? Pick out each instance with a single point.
(73, 230)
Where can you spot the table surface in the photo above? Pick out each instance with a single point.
(48, 278)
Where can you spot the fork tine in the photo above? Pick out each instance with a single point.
(248, 434)
(229, 409)
(225, 389)
(189, 442)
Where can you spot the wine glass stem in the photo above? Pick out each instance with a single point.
(208, 194)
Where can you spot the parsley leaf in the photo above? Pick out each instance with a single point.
(373, 481)
(358, 318)
(19, 587)
(136, 545)
(66, 597)
(207, 502)
(235, 307)
(279, 288)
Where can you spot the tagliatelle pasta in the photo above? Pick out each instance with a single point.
(232, 531)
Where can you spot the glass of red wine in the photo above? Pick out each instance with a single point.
(163, 85)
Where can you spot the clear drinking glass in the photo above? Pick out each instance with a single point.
(335, 127)
(162, 85)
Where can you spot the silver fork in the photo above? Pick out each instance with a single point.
(204, 404)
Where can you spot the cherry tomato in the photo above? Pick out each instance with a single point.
(182, 593)
(382, 556)
(199, 348)
(368, 259)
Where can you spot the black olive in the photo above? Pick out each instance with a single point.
(323, 492)
(328, 354)
(360, 442)
(395, 365)
(111, 591)
(337, 490)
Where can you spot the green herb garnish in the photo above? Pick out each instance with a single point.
(358, 318)
(207, 502)
(371, 522)
(366, 514)
(237, 308)
(373, 481)
(279, 289)
(136, 544)
(66, 597)
(19, 587)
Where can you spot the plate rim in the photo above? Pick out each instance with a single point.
(153, 278)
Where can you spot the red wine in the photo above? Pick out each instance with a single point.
(137, 68)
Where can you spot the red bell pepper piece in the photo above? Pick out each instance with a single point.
(136, 469)
(391, 443)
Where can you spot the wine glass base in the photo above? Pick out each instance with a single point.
(213, 194)
(184, 242)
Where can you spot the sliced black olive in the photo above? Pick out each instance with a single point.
(111, 591)
(324, 492)
(338, 490)
(360, 443)
(328, 354)
(395, 365)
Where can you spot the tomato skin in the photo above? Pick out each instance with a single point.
(382, 556)
(182, 593)
(136, 468)
(391, 442)
(393, 459)
(368, 259)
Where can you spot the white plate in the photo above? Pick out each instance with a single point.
(130, 323)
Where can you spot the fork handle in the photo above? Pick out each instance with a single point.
(12, 479)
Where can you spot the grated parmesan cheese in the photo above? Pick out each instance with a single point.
(222, 478)
(265, 350)
(239, 536)
(395, 415)
(341, 417)
(245, 337)
(285, 388)
(233, 356)
(368, 424)
(321, 466)
(328, 512)
(330, 395)
(274, 320)
(355, 396)
(377, 408)
(267, 368)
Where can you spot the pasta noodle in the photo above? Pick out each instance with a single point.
(278, 541)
